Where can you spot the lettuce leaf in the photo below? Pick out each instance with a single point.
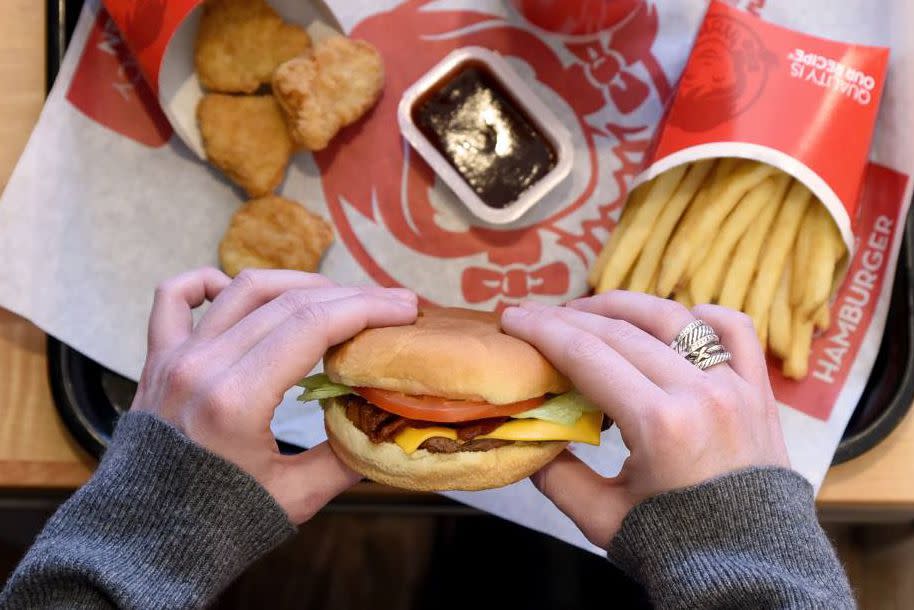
(319, 387)
(563, 409)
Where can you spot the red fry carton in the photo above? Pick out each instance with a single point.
(755, 90)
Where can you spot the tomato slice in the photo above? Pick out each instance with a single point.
(442, 410)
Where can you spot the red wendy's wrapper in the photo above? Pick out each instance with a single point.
(804, 104)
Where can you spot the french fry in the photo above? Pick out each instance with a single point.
(633, 238)
(693, 213)
(803, 246)
(796, 364)
(717, 181)
(698, 257)
(827, 249)
(652, 285)
(779, 317)
(727, 165)
(682, 297)
(822, 319)
(723, 170)
(704, 284)
(686, 242)
(623, 285)
(648, 265)
(761, 325)
(742, 265)
(635, 199)
(771, 262)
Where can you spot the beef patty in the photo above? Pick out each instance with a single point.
(381, 426)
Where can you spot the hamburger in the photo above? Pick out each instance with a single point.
(447, 403)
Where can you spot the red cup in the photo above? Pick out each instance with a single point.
(576, 17)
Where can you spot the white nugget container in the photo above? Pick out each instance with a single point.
(526, 101)
(180, 90)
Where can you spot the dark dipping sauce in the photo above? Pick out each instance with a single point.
(470, 118)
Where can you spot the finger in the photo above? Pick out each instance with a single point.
(238, 339)
(595, 369)
(652, 357)
(171, 321)
(248, 291)
(292, 349)
(662, 318)
(311, 479)
(593, 503)
(737, 334)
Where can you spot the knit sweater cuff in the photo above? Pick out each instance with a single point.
(162, 519)
(743, 537)
(152, 464)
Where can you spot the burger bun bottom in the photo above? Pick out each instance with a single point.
(427, 471)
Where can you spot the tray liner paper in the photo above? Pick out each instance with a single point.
(106, 202)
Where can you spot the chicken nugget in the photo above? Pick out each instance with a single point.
(328, 88)
(246, 137)
(274, 233)
(241, 42)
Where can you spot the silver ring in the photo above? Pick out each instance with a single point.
(700, 345)
(718, 358)
(694, 331)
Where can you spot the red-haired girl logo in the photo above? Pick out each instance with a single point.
(725, 75)
(405, 228)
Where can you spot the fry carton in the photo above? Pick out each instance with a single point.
(755, 90)
(807, 106)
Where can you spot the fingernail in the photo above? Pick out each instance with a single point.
(533, 305)
(402, 294)
(514, 313)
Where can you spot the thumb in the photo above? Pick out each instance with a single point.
(311, 479)
(595, 504)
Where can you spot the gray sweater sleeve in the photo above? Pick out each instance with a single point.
(163, 523)
(749, 539)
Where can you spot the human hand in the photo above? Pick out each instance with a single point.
(682, 425)
(219, 381)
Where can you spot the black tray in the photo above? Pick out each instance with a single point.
(90, 397)
(889, 391)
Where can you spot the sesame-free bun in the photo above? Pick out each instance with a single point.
(448, 353)
(427, 471)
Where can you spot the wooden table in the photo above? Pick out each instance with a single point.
(36, 452)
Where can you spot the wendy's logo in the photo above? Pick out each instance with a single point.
(405, 228)
(726, 74)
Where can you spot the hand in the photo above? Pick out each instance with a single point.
(682, 425)
(220, 381)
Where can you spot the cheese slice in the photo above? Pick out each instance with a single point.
(585, 430)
